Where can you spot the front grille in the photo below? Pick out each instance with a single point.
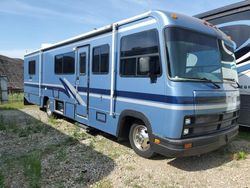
(208, 124)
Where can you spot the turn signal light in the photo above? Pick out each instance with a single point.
(188, 145)
(174, 16)
(157, 141)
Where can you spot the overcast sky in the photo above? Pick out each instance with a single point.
(26, 24)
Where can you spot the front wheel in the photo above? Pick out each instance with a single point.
(139, 140)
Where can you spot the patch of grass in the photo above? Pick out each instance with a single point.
(132, 182)
(136, 186)
(32, 168)
(1, 180)
(70, 141)
(31, 129)
(11, 125)
(52, 120)
(130, 168)
(92, 144)
(12, 106)
(15, 97)
(244, 135)
(80, 179)
(2, 124)
(241, 155)
(103, 184)
(61, 154)
(79, 134)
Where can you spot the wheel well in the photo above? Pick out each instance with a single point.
(45, 99)
(125, 125)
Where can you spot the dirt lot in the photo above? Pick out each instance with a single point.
(39, 152)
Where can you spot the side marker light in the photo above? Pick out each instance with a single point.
(157, 141)
(188, 145)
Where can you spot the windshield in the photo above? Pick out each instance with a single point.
(195, 56)
(229, 71)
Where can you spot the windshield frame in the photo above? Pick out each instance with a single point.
(225, 79)
(168, 63)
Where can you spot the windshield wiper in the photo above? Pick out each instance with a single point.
(233, 80)
(210, 81)
(202, 79)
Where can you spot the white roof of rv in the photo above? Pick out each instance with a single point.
(125, 21)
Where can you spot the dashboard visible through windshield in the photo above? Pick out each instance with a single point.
(197, 57)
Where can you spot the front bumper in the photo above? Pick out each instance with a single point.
(200, 145)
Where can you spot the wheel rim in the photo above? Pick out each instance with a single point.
(48, 109)
(141, 138)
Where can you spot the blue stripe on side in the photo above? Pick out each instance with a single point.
(154, 97)
(141, 96)
(127, 94)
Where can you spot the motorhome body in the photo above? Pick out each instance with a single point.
(142, 78)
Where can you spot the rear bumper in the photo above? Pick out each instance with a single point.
(200, 145)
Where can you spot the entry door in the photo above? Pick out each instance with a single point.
(82, 81)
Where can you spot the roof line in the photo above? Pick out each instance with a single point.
(101, 30)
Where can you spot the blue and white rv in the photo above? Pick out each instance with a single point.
(165, 81)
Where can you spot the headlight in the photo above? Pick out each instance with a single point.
(187, 121)
(186, 131)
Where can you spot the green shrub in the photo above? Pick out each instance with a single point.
(32, 168)
(241, 155)
(1, 180)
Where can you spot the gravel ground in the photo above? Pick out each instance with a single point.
(61, 154)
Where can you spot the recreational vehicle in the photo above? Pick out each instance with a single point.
(165, 81)
(234, 20)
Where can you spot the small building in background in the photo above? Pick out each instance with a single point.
(3, 89)
(12, 68)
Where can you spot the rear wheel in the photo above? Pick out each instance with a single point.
(139, 140)
(48, 109)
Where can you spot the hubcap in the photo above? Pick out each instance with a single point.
(140, 138)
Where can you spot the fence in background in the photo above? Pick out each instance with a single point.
(3, 89)
(15, 95)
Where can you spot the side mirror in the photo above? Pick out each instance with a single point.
(148, 67)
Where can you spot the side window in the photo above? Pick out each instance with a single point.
(82, 57)
(32, 67)
(100, 64)
(65, 63)
(140, 54)
(59, 64)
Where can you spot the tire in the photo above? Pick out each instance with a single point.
(48, 110)
(139, 140)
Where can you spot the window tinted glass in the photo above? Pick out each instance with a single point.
(32, 67)
(69, 63)
(83, 63)
(104, 59)
(140, 54)
(58, 64)
(128, 66)
(145, 42)
(100, 63)
(65, 63)
(96, 60)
